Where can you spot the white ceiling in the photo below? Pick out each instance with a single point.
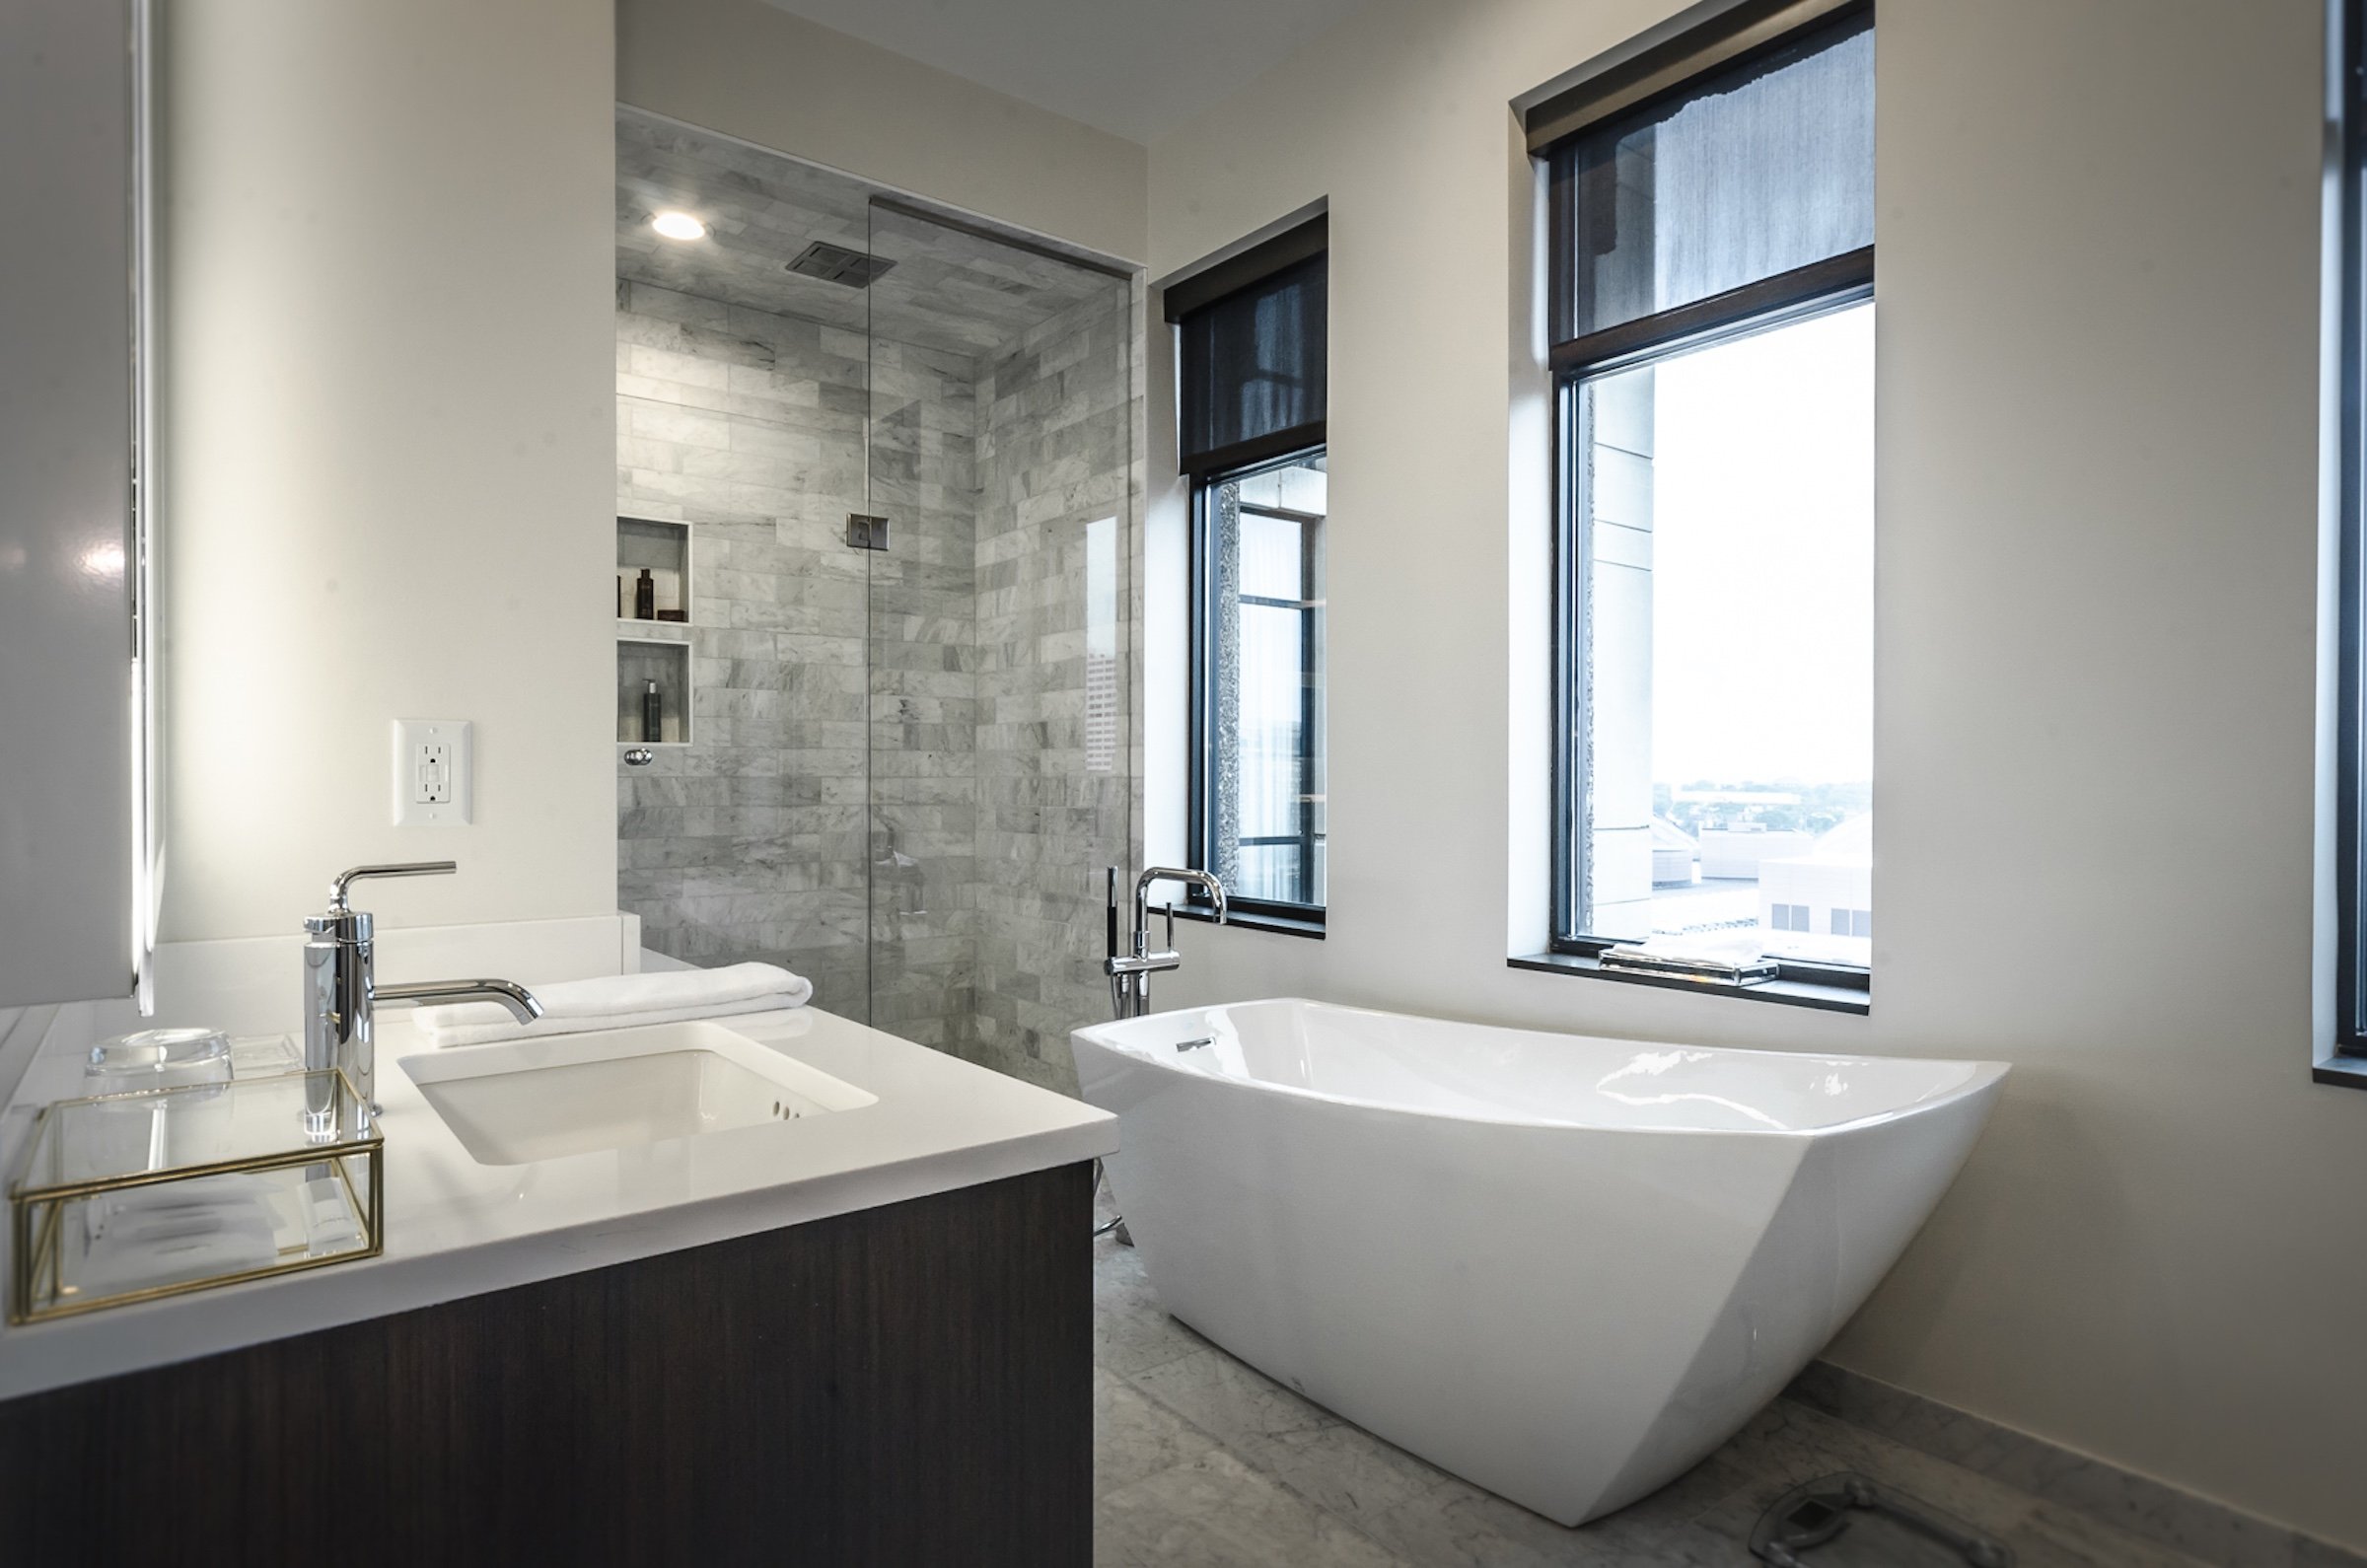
(1137, 68)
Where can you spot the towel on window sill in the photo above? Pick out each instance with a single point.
(621, 1001)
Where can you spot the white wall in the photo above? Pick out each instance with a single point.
(2097, 489)
(388, 427)
(754, 71)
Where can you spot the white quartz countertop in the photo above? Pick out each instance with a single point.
(457, 1228)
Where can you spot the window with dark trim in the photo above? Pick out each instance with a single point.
(1711, 271)
(1251, 362)
(2350, 808)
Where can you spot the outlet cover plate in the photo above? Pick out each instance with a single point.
(432, 769)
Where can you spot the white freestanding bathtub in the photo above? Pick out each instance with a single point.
(1563, 1268)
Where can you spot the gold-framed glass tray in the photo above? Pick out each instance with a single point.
(129, 1198)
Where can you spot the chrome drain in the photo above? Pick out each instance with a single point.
(1847, 1518)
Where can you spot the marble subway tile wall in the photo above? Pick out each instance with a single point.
(910, 767)
(923, 695)
(1055, 734)
(752, 842)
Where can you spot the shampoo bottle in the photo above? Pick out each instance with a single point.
(650, 714)
(645, 596)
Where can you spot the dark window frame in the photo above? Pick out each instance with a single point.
(1825, 288)
(1293, 263)
(1767, 304)
(1284, 912)
(2350, 889)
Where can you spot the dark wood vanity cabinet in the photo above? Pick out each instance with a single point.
(908, 1386)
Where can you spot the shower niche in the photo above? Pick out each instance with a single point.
(641, 664)
(658, 550)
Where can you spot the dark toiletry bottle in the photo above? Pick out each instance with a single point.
(650, 725)
(645, 596)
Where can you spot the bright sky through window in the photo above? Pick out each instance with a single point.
(1763, 557)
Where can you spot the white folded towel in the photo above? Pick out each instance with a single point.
(621, 1001)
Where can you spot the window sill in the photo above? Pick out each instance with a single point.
(1790, 993)
(2344, 1072)
(1281, 924)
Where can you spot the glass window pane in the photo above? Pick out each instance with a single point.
(1767, 167)
(1272, 717)
(1260, 683)
(1269, 557)
(1727, 617)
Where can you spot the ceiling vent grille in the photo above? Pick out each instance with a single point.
(835, 263)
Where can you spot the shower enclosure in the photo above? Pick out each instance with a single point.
(899, 448)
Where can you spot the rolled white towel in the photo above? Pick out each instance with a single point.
(621, 1001)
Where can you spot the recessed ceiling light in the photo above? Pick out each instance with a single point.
(679, 225)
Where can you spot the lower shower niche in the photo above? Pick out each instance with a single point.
(645, 670)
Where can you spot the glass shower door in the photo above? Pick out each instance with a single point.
(999, 650)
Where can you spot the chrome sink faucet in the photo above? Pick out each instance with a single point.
(341, 991)
(1130, 972)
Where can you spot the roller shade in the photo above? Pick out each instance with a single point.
(1760, 170)
(1251, 354)
(1671, 65)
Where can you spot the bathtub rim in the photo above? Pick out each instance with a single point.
(1983, 1077)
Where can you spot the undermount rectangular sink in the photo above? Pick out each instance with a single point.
(524, 1101)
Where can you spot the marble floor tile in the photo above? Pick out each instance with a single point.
(1135, 1436)
(1202, 1461)
(2145, 1508)
(1216, 1511)
(1130, 1335)
(1788, 1444)
(2049, 1536)
(1459, 1525)
(1338, 1466)
(1462, 1526)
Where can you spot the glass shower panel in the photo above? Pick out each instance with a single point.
(743, 411)
(1000, 453)
(891, 455)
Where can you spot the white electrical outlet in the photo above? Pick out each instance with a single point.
(431, 772)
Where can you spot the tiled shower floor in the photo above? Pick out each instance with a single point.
(1202, 1460)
